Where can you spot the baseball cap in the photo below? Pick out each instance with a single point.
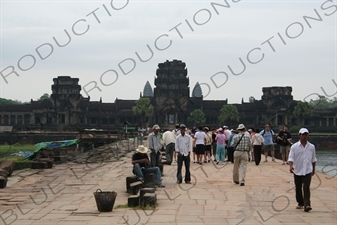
(303, 130)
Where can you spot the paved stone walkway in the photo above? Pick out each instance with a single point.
(64, 195)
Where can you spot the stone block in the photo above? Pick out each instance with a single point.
(8, 166)
(143, 191)
(3, 182)
(133, 201)
(130, 180)
(49, 161)
(3, 173)
(149, 180)
(149, 199)
(135, 187)
(39, 165)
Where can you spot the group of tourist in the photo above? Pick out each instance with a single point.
(242, 145)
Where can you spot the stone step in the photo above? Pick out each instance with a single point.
(135, 187)
(149, 199)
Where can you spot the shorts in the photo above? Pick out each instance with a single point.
(200, 149)
(208, 148)
(268, 148)
(284, 149)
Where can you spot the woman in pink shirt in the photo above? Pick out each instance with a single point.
(220, 146)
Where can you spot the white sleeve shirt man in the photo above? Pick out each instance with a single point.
(184, 144)
(169, 137)
(302, 157)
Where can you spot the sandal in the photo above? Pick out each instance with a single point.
(307, 208)
(299, 207)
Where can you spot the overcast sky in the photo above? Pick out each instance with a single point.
(277, 45)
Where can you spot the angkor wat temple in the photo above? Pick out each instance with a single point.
(68, 110)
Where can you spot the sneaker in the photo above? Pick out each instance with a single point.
(253, 160)
(209, 161)
(242, 184)
(273, 160)
(283, 163)
(205, 161)
(217, 162)
(265, 160)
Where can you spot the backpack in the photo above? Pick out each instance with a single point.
(272, 132)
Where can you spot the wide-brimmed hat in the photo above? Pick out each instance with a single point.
(182, 126)
(206, 128)
(303, 130)
(142, 149)
(241, 127)
(156, 127)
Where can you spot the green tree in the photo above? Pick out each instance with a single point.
(44, 96)
(4, 101)
(142, 108)
(197, 117)
(228, 113)
(303, 109)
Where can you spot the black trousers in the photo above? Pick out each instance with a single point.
(257, 154)
(230, 153)
(169, 153)
(303, 196)
(155, 158)
(186, 160)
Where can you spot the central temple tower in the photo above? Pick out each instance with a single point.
(171, 93)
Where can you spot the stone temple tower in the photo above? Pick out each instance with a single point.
(171, 93)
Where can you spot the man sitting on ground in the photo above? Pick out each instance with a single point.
(141, 166)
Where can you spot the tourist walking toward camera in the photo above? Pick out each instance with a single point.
(284, 140)
(241, 143)
(268, 144)
(302, 161)
(257, 143)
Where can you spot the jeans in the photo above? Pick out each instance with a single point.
(154, 158)
(303, 198)
(140, 172)
(169, 153)
(186, 159)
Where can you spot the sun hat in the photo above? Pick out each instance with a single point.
(142, 149)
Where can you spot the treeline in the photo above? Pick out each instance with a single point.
(324, 103)
(4, 101)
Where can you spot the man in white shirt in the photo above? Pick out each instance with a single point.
(169, 140)
(302, 161)
(183, 148)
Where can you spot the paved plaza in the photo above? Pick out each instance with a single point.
(63, 195)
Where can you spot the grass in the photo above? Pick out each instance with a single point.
(9, 149)
(125, 206)
(20, 161)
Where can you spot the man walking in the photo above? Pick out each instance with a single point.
(302, 161)
(183, 149)
(169, 140)
(154, 145)
(284, 138)
(241, 142)
(268, 144)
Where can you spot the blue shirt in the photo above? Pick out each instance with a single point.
(267, 136)
(230, 140)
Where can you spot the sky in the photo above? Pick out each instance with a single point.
(232, 48)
